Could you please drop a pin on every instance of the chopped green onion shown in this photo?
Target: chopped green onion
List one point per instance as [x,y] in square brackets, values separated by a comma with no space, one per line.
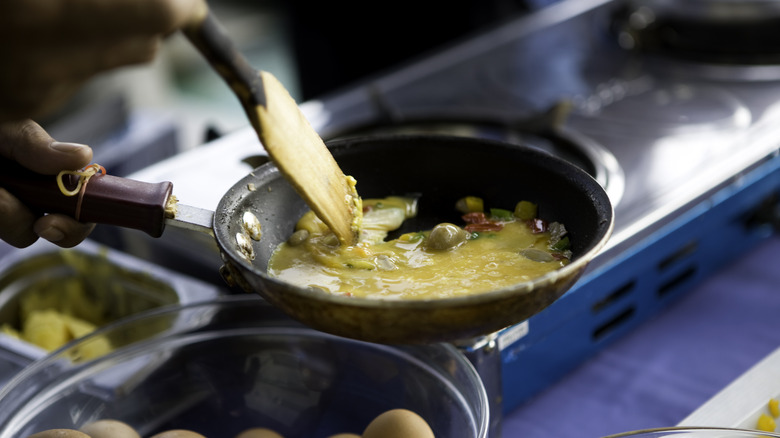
[561,245]
[500,213]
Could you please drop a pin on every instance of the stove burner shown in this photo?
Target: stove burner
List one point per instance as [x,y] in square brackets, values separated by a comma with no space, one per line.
[645,106]
[566,144]
[720,32]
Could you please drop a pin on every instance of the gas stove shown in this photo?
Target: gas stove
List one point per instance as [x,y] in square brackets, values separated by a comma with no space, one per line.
[687,149]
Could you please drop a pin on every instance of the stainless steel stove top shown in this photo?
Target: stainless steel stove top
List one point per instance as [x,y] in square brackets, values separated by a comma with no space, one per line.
[661,132]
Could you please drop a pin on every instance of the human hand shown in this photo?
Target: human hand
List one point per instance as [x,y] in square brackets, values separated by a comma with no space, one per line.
[49,48]
[29,145]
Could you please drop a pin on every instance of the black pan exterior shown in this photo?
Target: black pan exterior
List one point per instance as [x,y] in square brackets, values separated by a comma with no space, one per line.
[442,169]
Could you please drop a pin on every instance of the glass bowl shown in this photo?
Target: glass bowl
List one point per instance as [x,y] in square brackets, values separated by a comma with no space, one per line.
[696,432]
[224,366]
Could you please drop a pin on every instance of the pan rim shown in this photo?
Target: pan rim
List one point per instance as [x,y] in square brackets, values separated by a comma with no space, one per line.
[572,270]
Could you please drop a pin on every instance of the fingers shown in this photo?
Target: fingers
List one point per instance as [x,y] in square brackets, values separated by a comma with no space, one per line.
[47,74]
[62,230]
[33,101]
[106,18]
[50,48]
[29,145]
[65,61]
[16,221]
[21,228]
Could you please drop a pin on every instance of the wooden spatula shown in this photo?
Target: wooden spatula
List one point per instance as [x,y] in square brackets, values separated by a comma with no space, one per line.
[291,142]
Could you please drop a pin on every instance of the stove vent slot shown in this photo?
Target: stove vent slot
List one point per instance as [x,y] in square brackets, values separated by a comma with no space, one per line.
[613,297]
[681,265]
[614,323]
[676,281]
[682,253]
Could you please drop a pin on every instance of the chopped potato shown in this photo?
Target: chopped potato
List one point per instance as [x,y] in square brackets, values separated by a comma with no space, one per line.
[50,329]
[46,329]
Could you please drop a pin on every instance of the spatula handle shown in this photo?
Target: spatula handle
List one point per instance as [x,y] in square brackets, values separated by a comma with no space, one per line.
[105,199]
[211,40]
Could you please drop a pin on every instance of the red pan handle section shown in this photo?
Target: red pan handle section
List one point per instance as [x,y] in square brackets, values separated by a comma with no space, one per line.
[105,199]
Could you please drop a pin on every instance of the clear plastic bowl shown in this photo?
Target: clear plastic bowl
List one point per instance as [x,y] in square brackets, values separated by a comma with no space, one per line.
[695,432]
[224,366]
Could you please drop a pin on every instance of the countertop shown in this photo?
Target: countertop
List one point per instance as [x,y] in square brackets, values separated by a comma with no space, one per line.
[658,374]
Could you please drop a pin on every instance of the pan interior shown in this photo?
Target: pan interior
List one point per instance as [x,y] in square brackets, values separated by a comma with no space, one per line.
[441,170]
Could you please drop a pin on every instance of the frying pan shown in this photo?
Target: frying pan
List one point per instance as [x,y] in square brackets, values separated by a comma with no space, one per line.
[440,169]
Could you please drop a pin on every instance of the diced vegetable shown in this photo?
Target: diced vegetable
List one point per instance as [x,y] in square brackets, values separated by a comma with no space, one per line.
[525,210]
[501,214]
[561,245]
[470,204]
[480,222]
[485,226]
[475,218]
[538,225]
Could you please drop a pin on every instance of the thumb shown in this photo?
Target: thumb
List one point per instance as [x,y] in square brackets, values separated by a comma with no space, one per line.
[30,145]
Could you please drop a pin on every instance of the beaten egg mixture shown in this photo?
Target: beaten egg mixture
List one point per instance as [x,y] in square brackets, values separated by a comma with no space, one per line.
[493,250]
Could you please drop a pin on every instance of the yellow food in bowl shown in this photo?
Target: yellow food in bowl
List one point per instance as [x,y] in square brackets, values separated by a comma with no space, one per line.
[50,321]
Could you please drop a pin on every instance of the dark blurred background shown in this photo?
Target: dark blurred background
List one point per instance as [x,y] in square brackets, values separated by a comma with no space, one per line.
[313,47]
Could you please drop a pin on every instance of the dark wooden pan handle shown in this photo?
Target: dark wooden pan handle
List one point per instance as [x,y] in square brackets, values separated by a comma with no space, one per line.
[105,199]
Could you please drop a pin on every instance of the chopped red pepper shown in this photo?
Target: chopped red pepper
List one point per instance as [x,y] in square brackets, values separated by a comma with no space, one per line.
[475,217]
[537,225]
[487,226]
[479,221]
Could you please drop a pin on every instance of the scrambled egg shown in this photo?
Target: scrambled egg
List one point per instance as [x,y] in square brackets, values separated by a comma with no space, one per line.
[495,249]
